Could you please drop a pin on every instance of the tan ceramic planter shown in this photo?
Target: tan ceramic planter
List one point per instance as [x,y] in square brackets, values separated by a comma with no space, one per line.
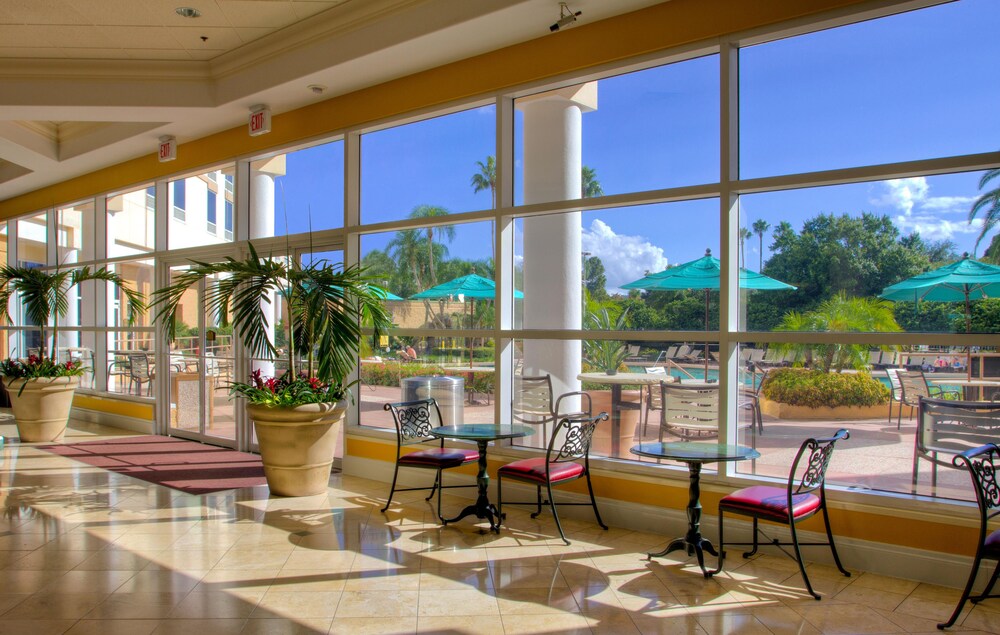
[41,411]
[297,445]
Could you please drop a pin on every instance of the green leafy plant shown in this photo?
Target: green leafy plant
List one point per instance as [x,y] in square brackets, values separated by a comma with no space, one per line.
[325,309]
[606,355]
[817,388]
[45,297]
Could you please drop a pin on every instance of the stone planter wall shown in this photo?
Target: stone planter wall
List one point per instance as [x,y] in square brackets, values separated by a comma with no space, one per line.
[840,413]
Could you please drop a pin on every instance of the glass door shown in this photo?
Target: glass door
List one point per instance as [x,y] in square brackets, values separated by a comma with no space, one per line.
[201,364]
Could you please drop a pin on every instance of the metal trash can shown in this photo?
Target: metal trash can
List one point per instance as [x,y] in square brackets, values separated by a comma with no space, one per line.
[449,392]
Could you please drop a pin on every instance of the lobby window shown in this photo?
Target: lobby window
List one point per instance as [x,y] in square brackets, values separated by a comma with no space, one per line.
[445,164]
[298,191]
[178,197]
[201,194]
[131,224]
[646,130]
[905,87]
[210,211]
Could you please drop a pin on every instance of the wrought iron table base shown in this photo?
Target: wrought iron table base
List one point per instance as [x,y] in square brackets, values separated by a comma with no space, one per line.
[482,508]
[692,542]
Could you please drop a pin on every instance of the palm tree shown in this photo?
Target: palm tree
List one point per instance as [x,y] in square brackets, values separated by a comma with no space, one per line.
[590,187]
[841,314]
[323,304]
[432,211]
[760,226]
[989,203]
[486,178]
[744,235]
[45,295]
[404,248]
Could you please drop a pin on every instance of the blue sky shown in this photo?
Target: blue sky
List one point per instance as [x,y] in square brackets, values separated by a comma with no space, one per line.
[913,86]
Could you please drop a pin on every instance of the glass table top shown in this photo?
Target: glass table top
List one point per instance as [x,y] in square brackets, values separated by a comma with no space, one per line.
[483,431]
[695,452]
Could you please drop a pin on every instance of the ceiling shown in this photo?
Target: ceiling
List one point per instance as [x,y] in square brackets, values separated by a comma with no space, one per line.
[85,84]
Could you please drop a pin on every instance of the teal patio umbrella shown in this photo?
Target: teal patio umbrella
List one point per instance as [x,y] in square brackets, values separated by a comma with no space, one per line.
[962,281]
[469,286]
[703,273]
[387,295]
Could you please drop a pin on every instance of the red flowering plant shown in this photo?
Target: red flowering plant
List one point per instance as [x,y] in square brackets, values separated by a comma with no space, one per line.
[323,308]
[288,390]
[36,367]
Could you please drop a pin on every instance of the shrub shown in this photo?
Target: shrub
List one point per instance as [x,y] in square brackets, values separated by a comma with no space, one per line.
[389,373]
[816,389]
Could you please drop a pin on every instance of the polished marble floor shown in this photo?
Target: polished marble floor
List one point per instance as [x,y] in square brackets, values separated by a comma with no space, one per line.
[88,551]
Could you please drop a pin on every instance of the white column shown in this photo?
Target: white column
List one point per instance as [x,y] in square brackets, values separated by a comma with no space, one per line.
[552,252]
[262,226]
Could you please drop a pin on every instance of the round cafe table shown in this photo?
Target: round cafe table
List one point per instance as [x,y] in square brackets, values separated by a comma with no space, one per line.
[482,434]
[695,455]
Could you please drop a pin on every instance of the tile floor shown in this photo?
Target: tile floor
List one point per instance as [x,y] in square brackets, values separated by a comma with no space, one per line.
[88,551]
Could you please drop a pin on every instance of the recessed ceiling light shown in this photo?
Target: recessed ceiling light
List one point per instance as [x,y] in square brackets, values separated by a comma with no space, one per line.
[188,12]
[316,88]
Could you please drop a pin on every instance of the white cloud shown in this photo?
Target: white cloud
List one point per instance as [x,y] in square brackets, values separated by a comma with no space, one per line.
[903,194]
[625,258]
[934,217]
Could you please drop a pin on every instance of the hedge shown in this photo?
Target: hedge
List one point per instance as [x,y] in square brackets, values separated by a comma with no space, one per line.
[815,388]
[390,373]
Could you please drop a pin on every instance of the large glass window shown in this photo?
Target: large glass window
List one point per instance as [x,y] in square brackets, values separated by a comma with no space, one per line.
[297,192]
[131,225]
[646,130]
[909,86]
[431,167]
[198,225]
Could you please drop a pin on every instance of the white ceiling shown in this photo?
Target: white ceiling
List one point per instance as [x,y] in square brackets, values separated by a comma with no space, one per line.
[85,84]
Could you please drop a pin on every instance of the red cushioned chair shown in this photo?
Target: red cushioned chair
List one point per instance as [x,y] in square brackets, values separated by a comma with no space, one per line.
[561,464]
[803,497]
[982,464]
[413,420]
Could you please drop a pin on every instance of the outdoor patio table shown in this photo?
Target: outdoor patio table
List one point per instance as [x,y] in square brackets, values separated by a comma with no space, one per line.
[973,388]
[616,382]
[695,455]
[482,434]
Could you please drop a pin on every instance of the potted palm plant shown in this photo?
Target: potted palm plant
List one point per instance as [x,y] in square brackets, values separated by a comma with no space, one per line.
[41,389]
[298,415]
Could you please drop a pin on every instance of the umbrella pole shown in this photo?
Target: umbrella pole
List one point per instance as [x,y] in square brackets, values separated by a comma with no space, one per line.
[706,330]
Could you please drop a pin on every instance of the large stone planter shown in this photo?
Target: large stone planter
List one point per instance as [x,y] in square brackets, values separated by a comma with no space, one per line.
[603,441]
[297,445]
[41,410]
[804,413]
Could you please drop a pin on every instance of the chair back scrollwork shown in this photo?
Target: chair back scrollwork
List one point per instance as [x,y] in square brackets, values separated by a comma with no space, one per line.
[820,451]
[982,464]
[577,433]
[414,420]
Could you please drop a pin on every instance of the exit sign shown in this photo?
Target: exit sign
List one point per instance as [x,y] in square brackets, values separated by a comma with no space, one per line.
[260,121]
[168,149]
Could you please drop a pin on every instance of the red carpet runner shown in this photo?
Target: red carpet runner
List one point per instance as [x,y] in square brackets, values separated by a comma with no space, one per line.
[188,466]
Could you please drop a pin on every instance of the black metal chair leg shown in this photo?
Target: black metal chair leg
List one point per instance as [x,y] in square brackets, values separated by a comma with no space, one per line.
[748,554]
[989,587]
[965,593]
[392,490]
[555,514]
[437,480]
[802,565]
[500,515]
[593,502]
[538,504]
[722,548]
[833,545]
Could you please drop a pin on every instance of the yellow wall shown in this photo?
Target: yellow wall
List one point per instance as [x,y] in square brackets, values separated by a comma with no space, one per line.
[651,30]
[121,407]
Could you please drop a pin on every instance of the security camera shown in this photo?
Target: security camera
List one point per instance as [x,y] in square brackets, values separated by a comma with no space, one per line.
[566,17]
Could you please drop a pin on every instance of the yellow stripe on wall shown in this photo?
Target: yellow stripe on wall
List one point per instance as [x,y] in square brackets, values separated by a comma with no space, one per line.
[119,407]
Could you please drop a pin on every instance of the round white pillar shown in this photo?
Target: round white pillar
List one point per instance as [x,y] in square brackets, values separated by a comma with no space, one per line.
[262,226]
[553,272]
